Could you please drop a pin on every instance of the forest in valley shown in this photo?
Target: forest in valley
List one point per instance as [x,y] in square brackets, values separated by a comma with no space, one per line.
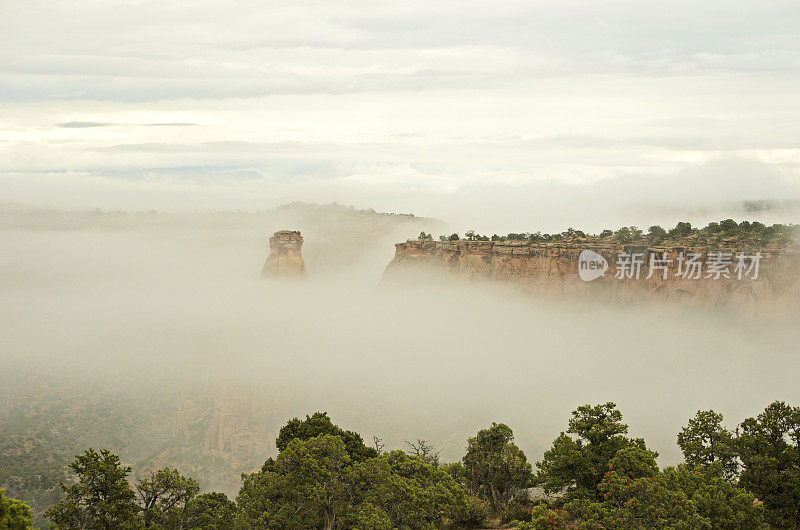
[593,476]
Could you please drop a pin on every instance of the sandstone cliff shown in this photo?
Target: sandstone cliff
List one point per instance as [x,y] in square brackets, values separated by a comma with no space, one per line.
[221,432]
[285,256]
[552,269]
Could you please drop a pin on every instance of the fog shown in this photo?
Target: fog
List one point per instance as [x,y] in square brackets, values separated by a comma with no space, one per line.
[148,305]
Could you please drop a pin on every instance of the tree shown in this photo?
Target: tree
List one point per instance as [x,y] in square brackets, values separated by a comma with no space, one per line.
[624,235]
[536,237]
[317,424]
[425,237]
[211,511]
[370,517]
[704,441]
[634,462]
[306,489]
[682,229]
[716,500]
[656,234]
[377,444]
[424,450]
[577,465]
[453,237]
[637,495]
[408,491]
[635,503]
[496,468]
[14,514]
[313,484]
[573,233]
[769,448]
[470,235]
[164,498]
[100,499]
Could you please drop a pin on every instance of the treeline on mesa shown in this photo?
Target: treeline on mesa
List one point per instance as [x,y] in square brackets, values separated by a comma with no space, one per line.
[728,231]
[593,476]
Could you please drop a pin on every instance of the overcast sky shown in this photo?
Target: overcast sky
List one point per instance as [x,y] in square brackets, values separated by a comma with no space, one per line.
[497,114]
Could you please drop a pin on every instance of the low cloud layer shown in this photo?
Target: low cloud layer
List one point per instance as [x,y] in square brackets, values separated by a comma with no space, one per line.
[165,301]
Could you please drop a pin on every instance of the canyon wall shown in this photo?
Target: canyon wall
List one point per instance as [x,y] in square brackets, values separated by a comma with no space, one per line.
[220,432]
[754,281]
[285,256]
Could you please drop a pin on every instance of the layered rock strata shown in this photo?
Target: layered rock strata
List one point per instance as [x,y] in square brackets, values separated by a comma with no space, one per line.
[747,280]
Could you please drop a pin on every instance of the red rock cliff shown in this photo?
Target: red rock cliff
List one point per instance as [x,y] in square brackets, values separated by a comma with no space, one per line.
[285,256]
[553,269]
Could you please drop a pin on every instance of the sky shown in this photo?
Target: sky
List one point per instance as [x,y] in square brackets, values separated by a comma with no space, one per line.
[504,116]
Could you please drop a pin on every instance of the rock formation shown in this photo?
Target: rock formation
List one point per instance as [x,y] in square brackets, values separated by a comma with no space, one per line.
[285,257]
[220,432]
[552,269]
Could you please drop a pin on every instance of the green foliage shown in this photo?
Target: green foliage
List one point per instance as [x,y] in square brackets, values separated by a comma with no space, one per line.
[324,478]
[453,237]
[307,487]
[47,418]
[313,484]
[14,514]
[632,492]
[656,234]
[677,498]
[317,424]
[367,516]
[576,465]
[211,511]
[573,233]
[476,512]
[425,237]
[495,467]
[100,499]
[623,235]
[704,441]
[537,237]
[682,229]
[471,235]
[635,503]
[164,498]
[634,462]
[715,499]
[544,518]
[769,449]
[410,491]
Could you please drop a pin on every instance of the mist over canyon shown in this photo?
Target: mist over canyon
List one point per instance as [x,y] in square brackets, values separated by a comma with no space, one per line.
[158,328]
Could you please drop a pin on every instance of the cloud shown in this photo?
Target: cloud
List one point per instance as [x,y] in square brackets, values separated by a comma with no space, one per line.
[176,124]
[159,51]
[87,124]
[520,103]
[83,124]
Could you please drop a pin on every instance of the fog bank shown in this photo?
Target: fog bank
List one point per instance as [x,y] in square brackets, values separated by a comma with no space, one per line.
[162,306]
